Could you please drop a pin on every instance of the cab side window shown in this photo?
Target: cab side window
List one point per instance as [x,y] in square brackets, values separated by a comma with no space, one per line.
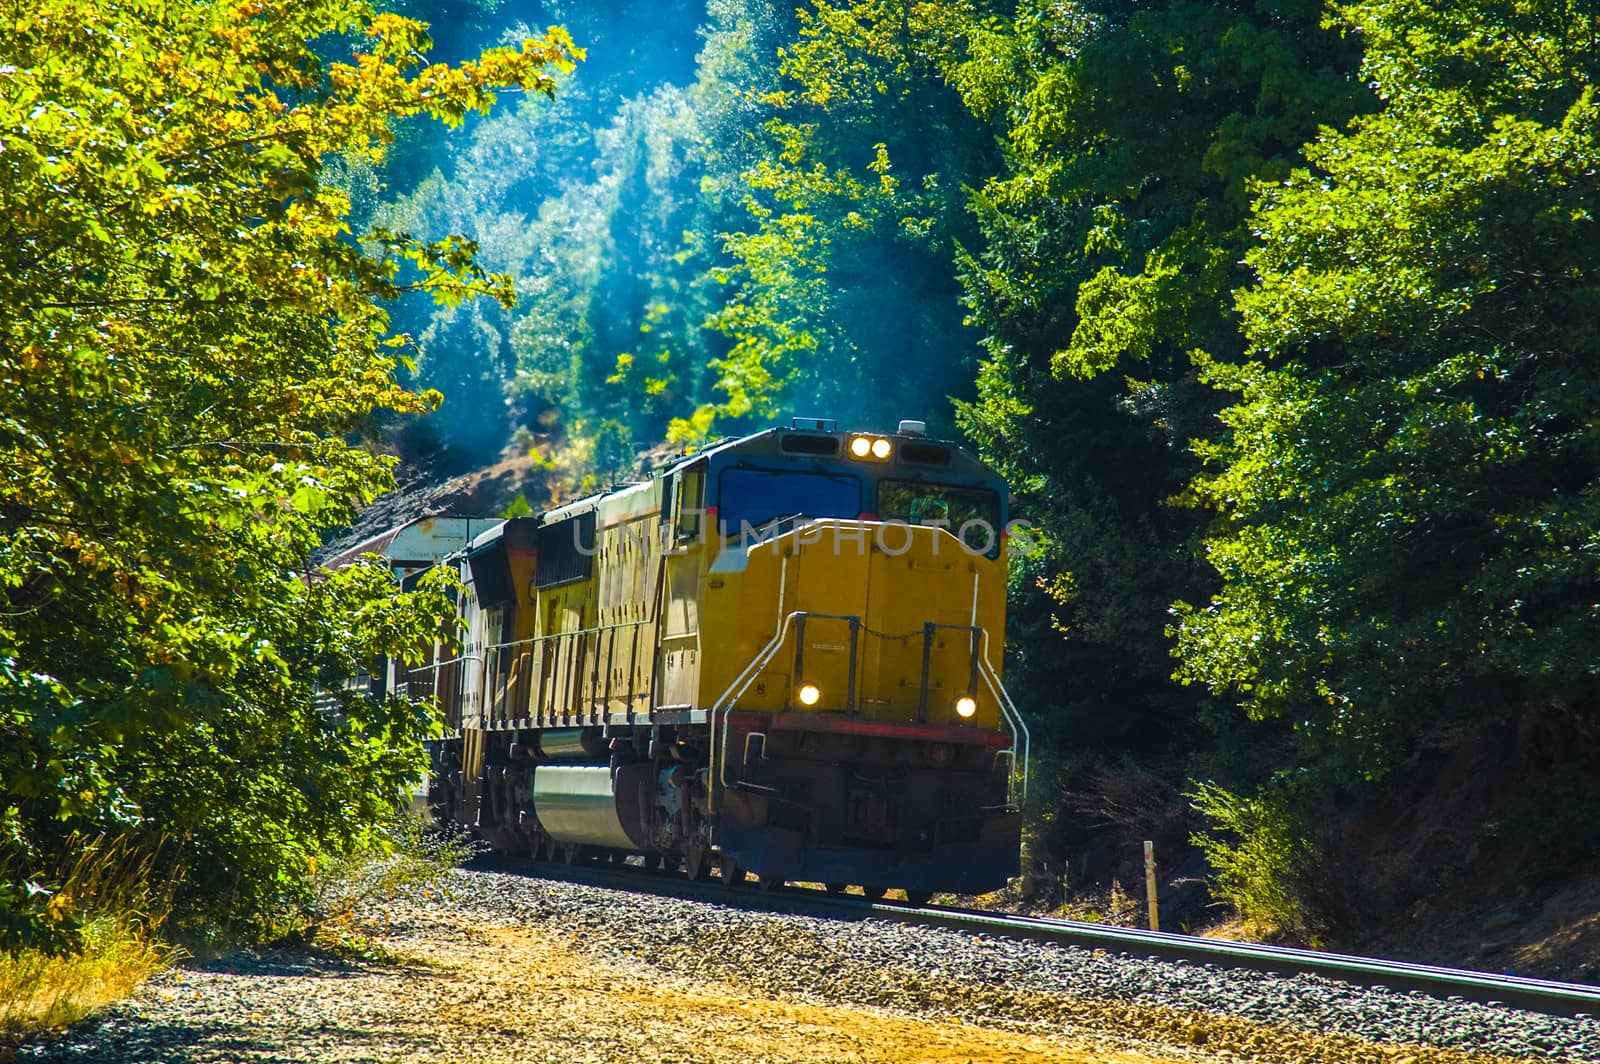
[690,506]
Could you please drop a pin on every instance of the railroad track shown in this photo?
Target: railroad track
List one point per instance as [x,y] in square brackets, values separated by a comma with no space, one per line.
[1537,995]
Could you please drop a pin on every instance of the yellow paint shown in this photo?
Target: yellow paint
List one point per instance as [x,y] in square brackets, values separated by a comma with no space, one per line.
[672,614]
[894,578]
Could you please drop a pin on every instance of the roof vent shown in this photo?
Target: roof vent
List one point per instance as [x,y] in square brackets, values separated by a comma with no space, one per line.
[913,428]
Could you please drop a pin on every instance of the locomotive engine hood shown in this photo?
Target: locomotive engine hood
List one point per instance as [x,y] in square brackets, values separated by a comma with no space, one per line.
[881,620]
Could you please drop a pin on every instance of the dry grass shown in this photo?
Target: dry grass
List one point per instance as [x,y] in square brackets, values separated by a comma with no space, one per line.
[38,991]
[108,889]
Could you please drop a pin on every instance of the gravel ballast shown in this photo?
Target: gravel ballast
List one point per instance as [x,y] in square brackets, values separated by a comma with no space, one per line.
[857,961]
[658,969]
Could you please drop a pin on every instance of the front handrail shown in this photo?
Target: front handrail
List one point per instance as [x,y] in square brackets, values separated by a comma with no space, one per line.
[1008,709]
[741,683]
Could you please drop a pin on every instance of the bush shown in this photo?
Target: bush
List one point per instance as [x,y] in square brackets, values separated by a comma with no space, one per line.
[1270,861]
[414,859]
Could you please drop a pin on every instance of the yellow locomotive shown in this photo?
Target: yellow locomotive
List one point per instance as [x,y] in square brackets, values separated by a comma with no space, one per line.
[779,655]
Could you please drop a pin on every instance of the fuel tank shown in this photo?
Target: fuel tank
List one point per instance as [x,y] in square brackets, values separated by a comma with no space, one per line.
[595,805]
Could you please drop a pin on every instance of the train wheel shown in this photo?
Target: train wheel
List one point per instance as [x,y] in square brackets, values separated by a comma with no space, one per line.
[919,898]
[771,882]
[835,888]
[652,860]
[571,852]
[695,863]
[728,871]
[874,893]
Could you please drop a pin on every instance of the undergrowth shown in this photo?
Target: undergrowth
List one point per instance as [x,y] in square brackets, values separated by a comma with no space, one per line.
[352,897]
[114,913]
[111,914]
[1268,860]
[39,991]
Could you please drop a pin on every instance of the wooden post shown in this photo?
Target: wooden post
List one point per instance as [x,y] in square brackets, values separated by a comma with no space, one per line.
[1150,885]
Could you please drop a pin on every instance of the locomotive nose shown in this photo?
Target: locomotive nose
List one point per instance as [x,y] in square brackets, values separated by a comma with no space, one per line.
[887,620]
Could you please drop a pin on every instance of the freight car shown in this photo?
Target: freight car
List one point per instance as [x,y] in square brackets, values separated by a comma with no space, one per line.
[777,656]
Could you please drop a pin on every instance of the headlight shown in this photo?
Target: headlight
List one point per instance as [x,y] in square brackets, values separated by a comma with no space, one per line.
[877,447]
[809,694]
[966,706]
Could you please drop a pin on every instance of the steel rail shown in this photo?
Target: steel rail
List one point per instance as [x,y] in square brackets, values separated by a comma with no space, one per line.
[1534,995]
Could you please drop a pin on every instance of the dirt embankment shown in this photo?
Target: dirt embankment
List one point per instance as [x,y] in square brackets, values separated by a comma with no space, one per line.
[421,492]
[1472,859]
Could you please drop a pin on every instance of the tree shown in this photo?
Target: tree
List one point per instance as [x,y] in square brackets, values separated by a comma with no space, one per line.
[1407,491]
[841,290]
[593,206]
[189,339]
[1109,251]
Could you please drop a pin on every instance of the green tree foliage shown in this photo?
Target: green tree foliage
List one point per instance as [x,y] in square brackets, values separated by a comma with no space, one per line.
[842,296]
[188,339]
[1111,242]
[1407,489]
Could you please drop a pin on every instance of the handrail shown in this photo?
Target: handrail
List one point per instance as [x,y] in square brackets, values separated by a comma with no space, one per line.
[1014,722]
[1009,710]
[492,651]
[523,647]
[747,676]
[741,683]
[441,664]
[756,664]
[596,630]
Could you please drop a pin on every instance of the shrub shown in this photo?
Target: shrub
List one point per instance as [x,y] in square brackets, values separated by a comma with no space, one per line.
[1269,859]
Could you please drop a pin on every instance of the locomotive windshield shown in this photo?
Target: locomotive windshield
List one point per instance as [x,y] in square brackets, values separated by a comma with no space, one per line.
[973,514]
[755,497]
